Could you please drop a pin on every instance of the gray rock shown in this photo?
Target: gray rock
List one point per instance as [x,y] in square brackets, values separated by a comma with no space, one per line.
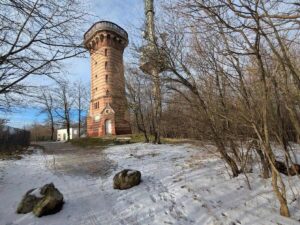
[51,203]
[43,201]
[127,179]
[28,202]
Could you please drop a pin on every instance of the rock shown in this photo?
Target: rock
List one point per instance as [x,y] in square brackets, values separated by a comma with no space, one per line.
[122,140]
[294,169]
[282,168]
[51,203]
[43,201]
[127,179]
[28,202]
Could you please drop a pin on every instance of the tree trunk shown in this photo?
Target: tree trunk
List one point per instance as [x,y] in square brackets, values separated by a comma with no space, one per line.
[79,122]
[68,130]
[52,130]
[264,163]
[157,106]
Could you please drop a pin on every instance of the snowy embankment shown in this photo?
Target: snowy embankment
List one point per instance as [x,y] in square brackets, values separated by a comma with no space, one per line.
[180,185]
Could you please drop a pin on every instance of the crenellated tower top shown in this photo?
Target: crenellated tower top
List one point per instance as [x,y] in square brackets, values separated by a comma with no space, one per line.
[105,33]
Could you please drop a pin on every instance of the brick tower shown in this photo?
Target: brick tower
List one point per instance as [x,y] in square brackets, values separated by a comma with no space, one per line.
[108,113]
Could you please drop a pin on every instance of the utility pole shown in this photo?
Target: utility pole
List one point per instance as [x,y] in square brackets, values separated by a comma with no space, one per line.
[150,65]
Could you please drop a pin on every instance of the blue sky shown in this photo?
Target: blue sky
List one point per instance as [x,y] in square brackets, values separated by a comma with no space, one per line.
[128,14]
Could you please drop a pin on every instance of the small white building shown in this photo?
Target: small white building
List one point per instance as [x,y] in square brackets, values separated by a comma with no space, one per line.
[62,134]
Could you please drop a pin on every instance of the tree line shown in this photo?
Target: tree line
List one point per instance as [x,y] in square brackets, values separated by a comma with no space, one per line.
[65,104]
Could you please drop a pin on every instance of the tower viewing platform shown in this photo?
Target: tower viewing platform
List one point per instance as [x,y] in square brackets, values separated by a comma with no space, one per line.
[101,26]
[105,25]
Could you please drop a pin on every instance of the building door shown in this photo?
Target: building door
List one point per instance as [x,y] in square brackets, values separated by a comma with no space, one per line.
[108,129]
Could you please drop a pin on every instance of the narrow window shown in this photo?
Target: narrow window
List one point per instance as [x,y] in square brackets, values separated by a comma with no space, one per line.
[107,93]
[96,76]
[108,39]
[106,78]
[106,65]
[105,52]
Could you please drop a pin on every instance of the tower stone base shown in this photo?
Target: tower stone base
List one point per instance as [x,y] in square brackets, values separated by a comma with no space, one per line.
[98,129]
[107,123]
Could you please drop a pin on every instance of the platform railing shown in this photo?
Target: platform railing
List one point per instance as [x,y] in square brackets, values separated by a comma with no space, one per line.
[105,25]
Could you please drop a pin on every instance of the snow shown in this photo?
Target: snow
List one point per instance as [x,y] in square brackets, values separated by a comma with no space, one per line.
[181,184]
[130,172]
[37,193]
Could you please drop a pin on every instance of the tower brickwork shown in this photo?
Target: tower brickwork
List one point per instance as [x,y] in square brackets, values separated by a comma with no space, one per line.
[108,112]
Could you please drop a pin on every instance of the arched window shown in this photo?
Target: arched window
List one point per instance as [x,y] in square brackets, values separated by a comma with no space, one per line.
[101,38]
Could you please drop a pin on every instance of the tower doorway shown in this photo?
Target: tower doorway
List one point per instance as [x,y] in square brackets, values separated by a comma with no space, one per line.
[108,128]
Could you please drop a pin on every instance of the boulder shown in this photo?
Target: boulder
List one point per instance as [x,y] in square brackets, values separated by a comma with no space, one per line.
[122,140]
[28,202]
[294,170]
[281,167]
[51,203]
[291,171]
[127,179]
[42,201]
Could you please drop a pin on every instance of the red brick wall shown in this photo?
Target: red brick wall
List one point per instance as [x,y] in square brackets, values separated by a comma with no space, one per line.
[107,84]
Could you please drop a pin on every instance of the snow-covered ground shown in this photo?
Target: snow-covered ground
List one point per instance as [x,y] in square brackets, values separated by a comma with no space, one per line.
[181,185]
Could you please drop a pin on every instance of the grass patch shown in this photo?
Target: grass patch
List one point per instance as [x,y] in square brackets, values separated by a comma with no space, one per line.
[117,140]
[140,138]
[92,142]
[10,155]
[14,153]
[113,140]
[37,146]
[175,140]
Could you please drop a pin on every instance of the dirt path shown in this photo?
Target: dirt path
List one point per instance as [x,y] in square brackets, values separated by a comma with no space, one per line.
[66,159]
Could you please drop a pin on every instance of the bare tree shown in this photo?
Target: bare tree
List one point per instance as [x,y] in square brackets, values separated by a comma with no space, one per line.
[137,85]
[39,132]
[64,102]
[80,102]
[253,72]
[46,102]
[35,37]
